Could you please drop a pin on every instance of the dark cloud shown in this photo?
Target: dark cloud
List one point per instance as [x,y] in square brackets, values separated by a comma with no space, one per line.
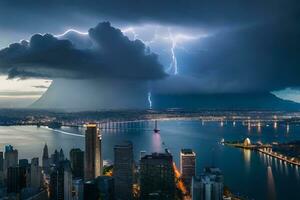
[264,57]
[191,12]
[112,55]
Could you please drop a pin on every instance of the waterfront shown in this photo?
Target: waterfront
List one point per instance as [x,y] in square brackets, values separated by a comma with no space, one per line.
[245,171]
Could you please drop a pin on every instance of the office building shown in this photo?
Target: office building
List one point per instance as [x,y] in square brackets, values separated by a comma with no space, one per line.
[123,170]
[23,173]
[78,189]
[60,186]
[77,163]
[61,156]
[12,182]
[10,157]
[187,166]
[105,186]
[45,159]
[91,190]
[93,157]
[54,158]
[208,186]
[1,169]
[157,178]
[35,173]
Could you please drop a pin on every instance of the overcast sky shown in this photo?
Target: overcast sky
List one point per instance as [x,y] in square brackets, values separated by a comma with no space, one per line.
[188,46]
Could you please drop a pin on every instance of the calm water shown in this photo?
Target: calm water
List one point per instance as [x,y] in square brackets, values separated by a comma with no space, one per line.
[246,172]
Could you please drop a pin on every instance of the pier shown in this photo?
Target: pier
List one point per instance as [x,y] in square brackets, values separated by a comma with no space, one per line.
[263,148]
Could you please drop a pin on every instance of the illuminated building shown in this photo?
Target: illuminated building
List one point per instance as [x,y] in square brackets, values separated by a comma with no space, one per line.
[187,166]
[93,157]
[208,186]
[157,179]
[77,162]
[123,170]
[247,142]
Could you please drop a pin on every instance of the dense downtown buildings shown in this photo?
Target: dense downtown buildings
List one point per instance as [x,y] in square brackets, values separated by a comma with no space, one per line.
[153,177]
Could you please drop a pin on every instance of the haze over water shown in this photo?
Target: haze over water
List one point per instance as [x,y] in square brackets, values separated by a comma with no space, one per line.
[247,172]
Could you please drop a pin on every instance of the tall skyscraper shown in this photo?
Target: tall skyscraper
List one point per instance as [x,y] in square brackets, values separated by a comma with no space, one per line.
[60,186]
[1,161]
[93,157]
[35,173]
[157,177]
[208,186]
[10,157]
[54,158]
[61,156]
[123,170]
[46,159]
[13,185]
[187,166]
[1,169]
[77,163]
[23,173]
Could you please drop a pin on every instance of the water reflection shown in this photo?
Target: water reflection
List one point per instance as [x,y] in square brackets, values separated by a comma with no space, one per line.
[271,184]
[156,142]
[247,158]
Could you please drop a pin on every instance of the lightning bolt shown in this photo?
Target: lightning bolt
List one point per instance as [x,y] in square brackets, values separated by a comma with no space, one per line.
[173,39]
[150,100]
[71,30]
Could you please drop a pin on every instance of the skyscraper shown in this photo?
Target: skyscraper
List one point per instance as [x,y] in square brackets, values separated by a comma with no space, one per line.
[187,166]
[208,186]
[60,186]
[13,185]
[77,162]
[157,176]
[46,160]
[10,157]
[1,169]
[35,173]
[106,187]
[123,170]
[23,173]
[93,166]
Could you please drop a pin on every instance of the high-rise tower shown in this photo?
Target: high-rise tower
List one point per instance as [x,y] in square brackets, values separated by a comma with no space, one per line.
[187,166]
[93,164]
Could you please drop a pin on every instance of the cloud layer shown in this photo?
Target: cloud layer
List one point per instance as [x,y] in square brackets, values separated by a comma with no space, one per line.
[111,55]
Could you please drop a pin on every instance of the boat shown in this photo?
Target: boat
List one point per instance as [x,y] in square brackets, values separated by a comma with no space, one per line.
[156,130]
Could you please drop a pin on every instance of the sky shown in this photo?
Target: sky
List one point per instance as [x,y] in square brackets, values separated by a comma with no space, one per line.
[181,47]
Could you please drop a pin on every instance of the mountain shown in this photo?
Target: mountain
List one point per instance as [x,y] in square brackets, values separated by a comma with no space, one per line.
[104,94]
[227,101]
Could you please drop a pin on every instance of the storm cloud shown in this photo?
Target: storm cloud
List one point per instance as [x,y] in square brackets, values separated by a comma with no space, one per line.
[111,55]
[251,45]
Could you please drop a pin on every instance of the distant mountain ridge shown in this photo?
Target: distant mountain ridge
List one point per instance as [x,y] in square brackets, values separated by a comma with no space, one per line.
[229,101]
